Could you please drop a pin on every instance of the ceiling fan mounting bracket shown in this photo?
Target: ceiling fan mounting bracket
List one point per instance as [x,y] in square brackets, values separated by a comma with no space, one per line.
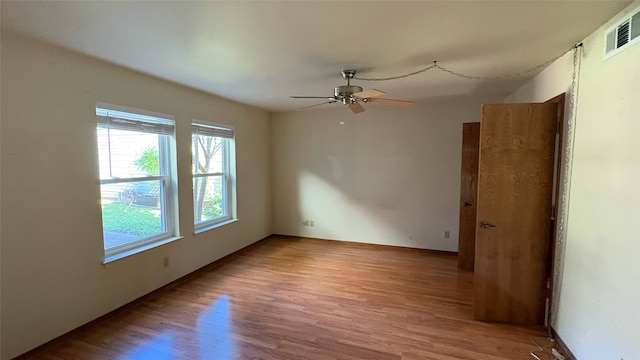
[348,74]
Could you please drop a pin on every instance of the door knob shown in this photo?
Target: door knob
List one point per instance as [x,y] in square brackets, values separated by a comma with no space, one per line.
[466,204]
[486,225]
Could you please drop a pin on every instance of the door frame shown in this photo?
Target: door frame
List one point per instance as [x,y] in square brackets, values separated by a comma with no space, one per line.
[466,240]
[555,201]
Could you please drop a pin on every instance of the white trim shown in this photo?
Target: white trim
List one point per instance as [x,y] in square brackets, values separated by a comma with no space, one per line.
[136,179]
[215,225]
[139,249]
[211,174]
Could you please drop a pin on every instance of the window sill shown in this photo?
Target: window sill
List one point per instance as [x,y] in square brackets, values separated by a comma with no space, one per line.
[216,225]
[124,254]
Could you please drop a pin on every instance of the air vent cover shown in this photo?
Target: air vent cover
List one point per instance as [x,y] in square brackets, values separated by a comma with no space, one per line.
[623,34]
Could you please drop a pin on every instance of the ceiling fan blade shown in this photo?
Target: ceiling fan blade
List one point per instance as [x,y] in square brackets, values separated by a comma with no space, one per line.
[310,106]
[356,107]
[312,97]
[392,102]
[369,93]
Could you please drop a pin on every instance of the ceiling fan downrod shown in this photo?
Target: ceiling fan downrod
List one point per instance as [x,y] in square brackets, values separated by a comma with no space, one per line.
[344,92]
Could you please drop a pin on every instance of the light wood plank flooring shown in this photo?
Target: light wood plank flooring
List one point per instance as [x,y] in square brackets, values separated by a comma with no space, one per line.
[298,298]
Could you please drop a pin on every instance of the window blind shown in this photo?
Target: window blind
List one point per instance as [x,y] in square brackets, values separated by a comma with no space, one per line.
[209,130]
[119,120]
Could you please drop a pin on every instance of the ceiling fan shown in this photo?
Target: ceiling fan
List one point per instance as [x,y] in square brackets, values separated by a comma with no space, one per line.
[353,95]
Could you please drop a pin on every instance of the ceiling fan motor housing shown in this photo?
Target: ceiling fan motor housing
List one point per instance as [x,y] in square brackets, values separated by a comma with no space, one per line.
[345,93]
[347,90]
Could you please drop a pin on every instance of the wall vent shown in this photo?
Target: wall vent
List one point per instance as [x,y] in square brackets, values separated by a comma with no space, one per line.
[623,34]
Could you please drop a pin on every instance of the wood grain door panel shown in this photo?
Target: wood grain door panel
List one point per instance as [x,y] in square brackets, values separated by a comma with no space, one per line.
[514,195]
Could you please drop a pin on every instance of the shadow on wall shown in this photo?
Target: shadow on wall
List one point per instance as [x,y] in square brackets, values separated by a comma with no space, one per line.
[387,176]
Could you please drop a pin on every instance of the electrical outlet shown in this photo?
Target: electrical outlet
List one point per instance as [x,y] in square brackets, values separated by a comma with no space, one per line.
[305,223]
[312,223]
[165,261]
[557,354]
[447,234]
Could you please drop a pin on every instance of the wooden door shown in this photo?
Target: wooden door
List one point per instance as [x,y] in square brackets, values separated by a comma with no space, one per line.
[514,211]
[468,194]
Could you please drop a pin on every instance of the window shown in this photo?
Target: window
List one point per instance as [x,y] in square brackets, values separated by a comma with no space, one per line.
[136,180]
[213,168]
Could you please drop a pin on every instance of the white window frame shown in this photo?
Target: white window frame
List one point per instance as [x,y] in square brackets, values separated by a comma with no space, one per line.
[150,122]
[228,173]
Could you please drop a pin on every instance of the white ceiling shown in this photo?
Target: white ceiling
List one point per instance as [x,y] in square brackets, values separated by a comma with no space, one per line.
[260,52]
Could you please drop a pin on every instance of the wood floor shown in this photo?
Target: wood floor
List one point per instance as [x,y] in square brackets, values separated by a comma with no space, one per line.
[296,298]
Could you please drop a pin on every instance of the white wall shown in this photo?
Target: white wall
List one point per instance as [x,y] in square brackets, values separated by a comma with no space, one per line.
[388,176]
[598,313]
[52,277]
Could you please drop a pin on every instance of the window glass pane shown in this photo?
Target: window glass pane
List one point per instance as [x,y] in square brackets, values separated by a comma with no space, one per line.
[135,161]
[131,211]
[211,154]
[208,154]
[208,198]
[126,154]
